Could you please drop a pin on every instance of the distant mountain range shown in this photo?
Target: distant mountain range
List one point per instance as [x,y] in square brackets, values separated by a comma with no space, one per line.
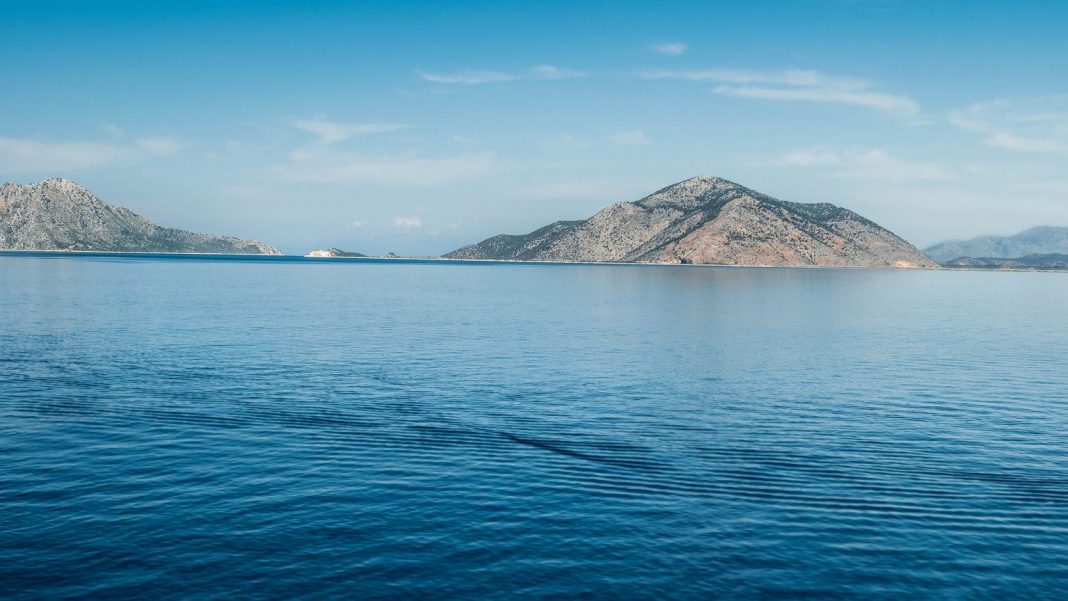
[1049,261]
[1041,240]
[708,220]
[702,220]
[58,214]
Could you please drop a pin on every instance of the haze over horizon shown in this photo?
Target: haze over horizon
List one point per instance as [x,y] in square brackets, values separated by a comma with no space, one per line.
[420,127]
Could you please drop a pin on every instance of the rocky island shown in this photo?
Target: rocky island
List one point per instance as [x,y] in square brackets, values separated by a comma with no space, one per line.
[58,214]
[333,253]
[712,221]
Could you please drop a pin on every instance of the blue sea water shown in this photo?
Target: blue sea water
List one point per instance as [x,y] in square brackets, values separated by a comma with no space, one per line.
[227,428]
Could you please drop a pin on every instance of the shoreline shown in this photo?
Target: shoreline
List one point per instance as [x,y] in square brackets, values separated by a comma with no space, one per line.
[152,254]
[60,251]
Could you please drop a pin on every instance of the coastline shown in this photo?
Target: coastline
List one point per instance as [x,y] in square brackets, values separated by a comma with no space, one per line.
[297,258]
[61,251]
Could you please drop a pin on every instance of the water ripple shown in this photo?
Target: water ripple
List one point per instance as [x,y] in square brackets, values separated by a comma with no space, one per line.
[223,429]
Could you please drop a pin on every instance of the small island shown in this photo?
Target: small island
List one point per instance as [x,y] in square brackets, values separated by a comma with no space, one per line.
[333,253]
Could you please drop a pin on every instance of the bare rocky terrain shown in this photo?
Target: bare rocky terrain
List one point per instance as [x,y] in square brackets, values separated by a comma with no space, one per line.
[58,214]
[708,220]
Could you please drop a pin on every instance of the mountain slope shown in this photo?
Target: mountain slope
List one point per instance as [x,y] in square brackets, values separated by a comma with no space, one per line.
[710,220]
[1042,240]
[58,214]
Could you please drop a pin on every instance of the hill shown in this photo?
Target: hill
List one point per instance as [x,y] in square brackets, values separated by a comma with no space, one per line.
[709,220]
[58,214]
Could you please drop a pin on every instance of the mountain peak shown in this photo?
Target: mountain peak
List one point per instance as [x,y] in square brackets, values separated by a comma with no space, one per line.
[62,184]
[703,182]
[690,191]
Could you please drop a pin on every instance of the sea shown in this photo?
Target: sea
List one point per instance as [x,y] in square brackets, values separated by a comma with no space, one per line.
[208,427]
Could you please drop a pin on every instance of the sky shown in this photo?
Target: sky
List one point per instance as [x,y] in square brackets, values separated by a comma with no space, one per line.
[418,127]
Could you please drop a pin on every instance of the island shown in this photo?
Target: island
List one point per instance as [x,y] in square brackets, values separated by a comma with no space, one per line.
[1032,262]
[333,253]
[58,214]
[710,221]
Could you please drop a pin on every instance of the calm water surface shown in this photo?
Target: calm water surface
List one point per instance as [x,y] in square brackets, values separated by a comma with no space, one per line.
[223,429]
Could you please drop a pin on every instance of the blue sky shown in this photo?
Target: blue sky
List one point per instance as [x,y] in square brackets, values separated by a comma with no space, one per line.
[417,127]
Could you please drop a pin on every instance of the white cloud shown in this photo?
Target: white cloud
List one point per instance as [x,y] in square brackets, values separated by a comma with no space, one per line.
[878,165]
[1018,143]
[466,78]
[407,222]
[857,163]
[551,72]
[796,85]
[790,77]
[32,155]
[1018,125]
[358,224]
[36,156]
[329,132]
[874,100]
[670,48]
[471,77]
[316,166]
[634,137]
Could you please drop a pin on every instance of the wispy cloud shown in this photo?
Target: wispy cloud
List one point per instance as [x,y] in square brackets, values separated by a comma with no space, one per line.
[1018,125]
[878,165]
[329,132]
[358,224]
[873,100]
[670,48]
[873,164]
[790,77]
[810,157]
[37,156]
[466,78]
[324,167]
[551,72]
[112,130]
[407,222]
[796,85]
[475,77]
[634,137]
